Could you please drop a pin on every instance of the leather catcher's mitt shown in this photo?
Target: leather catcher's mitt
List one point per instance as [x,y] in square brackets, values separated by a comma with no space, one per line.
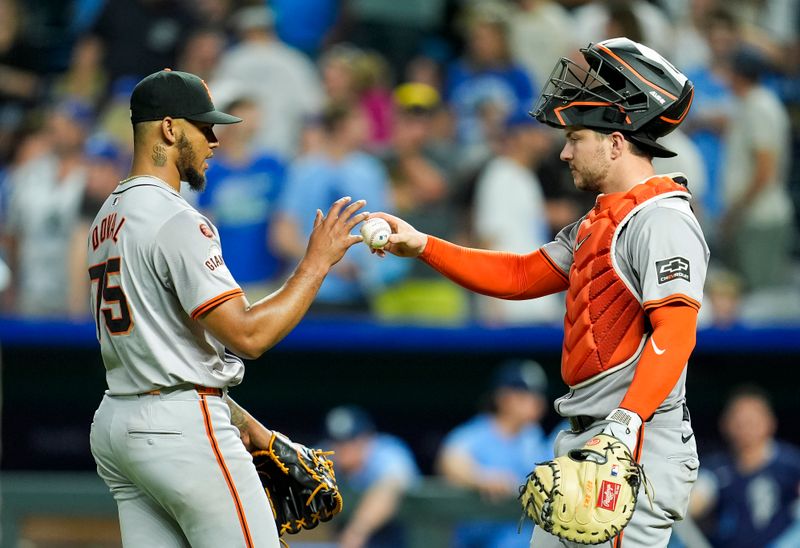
[587,496]
[300,484]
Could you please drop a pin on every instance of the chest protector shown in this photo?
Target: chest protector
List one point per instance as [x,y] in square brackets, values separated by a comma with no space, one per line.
[604,326]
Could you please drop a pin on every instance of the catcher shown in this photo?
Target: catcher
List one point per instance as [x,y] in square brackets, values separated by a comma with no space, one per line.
[633,269]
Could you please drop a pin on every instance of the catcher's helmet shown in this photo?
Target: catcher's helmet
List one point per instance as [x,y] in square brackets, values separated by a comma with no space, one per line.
[628,87]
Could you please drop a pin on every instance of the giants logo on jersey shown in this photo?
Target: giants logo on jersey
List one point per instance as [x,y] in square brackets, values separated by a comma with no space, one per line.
[105,229]
[214,260]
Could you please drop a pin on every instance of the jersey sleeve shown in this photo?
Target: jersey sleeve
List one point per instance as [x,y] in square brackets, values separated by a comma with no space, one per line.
[669,254]
[188,257]
[560,250]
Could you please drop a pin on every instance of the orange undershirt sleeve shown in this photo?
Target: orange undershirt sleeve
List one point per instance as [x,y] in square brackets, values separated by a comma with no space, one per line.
[495,273]
[663,358]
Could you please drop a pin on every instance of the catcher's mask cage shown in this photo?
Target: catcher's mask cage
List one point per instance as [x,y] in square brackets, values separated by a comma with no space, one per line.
[628,87]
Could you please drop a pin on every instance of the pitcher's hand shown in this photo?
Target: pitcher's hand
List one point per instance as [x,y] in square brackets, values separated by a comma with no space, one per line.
[331,236]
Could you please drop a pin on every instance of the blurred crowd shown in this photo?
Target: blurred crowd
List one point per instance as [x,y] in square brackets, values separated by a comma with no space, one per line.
[747,493]
[420,107]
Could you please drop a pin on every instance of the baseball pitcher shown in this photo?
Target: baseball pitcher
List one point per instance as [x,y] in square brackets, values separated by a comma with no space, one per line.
[173,448]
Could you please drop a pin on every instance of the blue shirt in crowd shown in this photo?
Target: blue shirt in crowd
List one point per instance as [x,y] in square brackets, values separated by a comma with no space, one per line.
[468,89]
[315,182]
[711,94]
[754,509]
[494,451]
[388,457]
[304,23]
[241,202]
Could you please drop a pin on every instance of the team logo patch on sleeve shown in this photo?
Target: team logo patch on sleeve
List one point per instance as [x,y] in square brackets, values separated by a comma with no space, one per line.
[206,231]
[672,269]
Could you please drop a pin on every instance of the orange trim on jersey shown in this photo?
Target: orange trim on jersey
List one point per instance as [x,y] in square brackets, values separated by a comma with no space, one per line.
[618,540]
[553,265]
[215,302]
[639,76]
[225,472]
[677,298]
[637,454]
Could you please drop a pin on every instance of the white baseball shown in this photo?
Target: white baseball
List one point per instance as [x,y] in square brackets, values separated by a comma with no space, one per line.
[376,232]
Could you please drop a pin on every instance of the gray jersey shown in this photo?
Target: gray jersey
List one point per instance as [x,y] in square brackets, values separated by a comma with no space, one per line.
[662,238]
[156,265]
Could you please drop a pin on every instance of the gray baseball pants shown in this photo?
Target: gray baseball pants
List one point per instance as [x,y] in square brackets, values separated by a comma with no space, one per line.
[179,473]
[669,456]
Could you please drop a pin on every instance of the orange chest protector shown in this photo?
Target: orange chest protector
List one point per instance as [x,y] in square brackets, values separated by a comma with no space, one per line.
[604,326]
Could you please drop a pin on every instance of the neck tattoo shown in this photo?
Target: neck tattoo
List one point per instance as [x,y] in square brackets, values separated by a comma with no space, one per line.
[159,155]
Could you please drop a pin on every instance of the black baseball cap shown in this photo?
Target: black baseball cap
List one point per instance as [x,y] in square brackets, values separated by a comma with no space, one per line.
[176,94]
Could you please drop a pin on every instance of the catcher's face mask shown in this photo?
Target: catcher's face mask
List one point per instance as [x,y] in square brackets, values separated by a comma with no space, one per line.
[627,87]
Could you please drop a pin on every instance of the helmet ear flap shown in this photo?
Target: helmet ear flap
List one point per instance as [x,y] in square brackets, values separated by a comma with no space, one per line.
[613,116]
[672,117]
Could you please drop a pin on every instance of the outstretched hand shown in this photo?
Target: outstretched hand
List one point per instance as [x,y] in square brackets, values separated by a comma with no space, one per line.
[331,236]
[405,240]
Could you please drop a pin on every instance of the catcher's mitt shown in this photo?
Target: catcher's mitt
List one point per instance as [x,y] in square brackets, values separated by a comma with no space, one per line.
[300,484]
[587,496]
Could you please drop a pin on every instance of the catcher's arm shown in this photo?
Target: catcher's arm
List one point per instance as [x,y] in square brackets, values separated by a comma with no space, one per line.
[494,273]
[254,434]
[659,368]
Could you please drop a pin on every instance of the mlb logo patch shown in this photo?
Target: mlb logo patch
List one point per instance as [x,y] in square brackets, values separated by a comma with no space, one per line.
[676,268]
[615,470]
[609,493]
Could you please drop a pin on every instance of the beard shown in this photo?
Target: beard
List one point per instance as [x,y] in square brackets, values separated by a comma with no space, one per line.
[187,159]
[591,178]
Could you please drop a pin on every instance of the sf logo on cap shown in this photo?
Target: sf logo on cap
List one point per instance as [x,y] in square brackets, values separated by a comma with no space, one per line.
[207,89]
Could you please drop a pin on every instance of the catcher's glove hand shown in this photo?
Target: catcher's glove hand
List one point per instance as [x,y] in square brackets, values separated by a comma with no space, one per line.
[586,496]
[300,484]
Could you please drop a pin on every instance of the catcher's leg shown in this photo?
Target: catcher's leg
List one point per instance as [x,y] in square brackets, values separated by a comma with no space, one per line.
[669,456]
[670,463]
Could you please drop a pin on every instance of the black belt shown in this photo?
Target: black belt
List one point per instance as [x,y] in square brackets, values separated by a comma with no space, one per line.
[581,423]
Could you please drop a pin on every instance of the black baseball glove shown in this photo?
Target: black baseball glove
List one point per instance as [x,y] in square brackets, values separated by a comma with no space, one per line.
[300,484]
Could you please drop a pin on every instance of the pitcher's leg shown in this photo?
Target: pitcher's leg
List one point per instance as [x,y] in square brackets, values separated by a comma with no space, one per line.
[213,488]
[143,523]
